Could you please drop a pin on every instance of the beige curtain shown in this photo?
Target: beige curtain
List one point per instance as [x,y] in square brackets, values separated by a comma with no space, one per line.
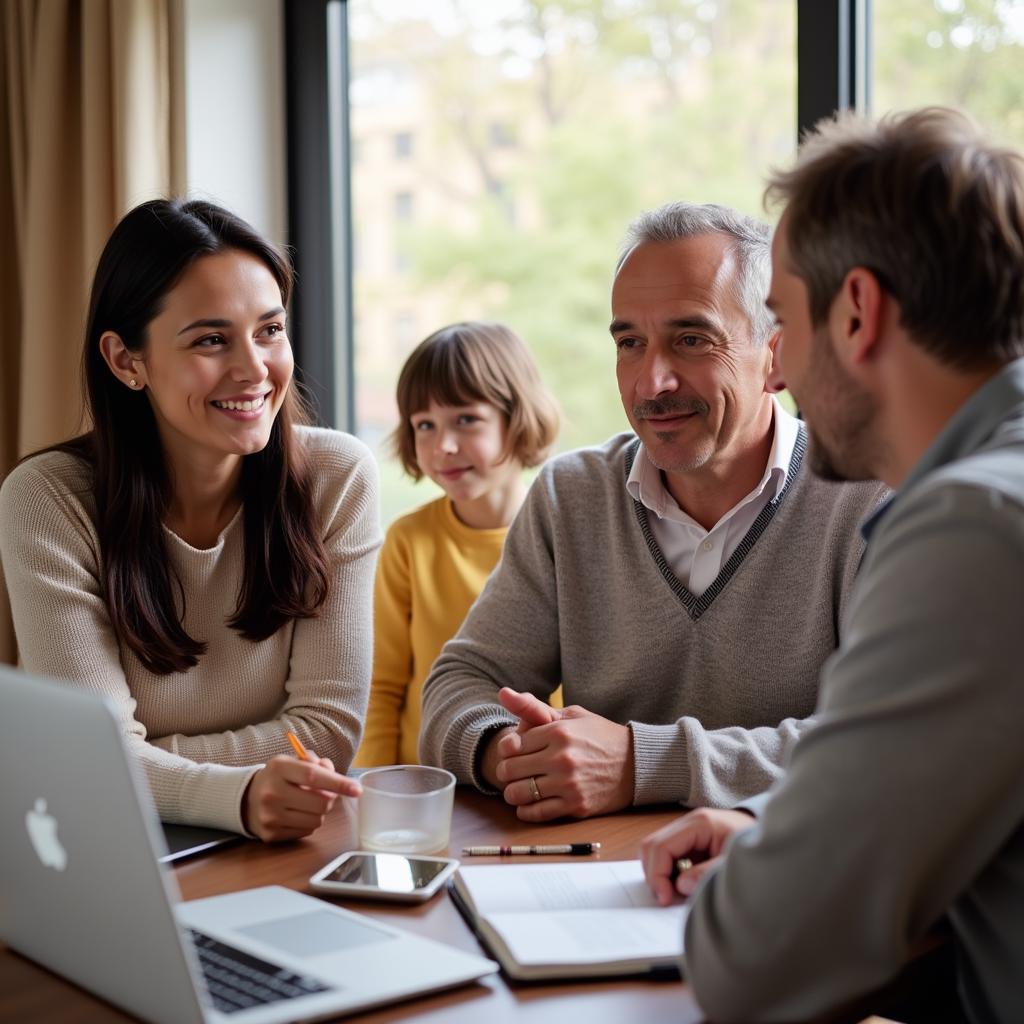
[89,125]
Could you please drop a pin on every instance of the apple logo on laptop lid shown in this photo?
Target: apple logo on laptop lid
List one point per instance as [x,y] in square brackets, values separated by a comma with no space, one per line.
[42,831]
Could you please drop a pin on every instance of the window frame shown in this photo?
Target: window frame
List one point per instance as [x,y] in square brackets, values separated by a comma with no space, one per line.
[833,73]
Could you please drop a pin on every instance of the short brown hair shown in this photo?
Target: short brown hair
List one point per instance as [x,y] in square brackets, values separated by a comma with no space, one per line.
[934,210]
[477,362]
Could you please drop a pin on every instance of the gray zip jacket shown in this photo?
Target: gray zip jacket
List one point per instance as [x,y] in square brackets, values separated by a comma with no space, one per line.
[906,801]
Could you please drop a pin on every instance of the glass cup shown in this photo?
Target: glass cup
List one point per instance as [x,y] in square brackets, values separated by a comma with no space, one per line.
[406,808]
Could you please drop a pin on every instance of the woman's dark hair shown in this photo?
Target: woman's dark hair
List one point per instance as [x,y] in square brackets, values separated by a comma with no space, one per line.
[285,575]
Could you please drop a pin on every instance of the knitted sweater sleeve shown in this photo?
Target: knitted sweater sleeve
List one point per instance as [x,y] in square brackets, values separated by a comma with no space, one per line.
[689,764]
[51,565]
[51,561]
[328,681]
[392,653]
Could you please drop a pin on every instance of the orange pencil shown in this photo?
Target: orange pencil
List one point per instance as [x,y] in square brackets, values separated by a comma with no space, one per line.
[299,748]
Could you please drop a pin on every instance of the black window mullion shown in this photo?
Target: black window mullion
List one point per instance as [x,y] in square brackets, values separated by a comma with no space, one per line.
[317,132]
[833,58]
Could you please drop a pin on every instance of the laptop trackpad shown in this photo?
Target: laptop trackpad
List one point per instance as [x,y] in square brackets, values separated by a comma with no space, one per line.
[314,933]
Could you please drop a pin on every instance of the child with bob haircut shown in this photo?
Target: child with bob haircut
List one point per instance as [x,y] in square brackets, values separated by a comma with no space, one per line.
[473,414]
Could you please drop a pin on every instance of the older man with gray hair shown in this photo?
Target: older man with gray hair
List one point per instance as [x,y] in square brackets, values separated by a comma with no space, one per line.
[683,583]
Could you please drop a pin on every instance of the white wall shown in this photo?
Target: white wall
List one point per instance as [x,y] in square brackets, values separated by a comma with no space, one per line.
[234,109]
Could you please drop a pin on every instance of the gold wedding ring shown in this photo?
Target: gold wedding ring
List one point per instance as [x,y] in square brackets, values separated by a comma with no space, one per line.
[534,789]
[680,867]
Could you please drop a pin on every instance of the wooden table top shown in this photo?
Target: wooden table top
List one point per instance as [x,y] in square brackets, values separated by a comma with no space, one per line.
[30,993]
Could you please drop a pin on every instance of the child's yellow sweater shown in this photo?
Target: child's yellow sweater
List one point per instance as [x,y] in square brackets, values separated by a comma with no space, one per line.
[431,568]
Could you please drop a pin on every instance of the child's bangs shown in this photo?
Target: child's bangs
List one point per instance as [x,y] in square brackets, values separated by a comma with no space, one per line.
[447,375]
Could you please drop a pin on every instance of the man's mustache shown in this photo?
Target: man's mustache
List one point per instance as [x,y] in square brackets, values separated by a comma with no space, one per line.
[669,407]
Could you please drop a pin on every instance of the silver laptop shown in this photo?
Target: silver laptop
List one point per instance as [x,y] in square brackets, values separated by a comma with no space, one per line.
[82,893]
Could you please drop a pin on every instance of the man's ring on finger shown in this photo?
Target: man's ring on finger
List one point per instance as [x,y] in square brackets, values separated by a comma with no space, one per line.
[534,789]
[680,867]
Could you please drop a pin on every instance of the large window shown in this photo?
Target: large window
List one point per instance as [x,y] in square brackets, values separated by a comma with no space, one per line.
[501,148]
[498,149]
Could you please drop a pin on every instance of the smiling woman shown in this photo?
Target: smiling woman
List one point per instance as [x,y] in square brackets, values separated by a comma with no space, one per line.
[201,556]
[215,385]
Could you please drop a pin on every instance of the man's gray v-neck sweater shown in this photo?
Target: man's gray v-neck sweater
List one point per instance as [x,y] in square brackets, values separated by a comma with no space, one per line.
[716,689]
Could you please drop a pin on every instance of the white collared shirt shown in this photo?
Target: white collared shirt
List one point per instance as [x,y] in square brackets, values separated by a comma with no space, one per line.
[694,554]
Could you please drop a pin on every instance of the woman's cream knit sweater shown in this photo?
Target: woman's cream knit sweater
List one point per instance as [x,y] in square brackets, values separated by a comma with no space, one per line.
[201,734]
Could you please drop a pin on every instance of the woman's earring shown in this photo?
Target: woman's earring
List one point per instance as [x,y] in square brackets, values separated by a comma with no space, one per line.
[133,383]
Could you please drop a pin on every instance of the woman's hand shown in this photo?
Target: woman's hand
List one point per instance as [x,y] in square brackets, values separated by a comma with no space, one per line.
[288,798]
[699,837]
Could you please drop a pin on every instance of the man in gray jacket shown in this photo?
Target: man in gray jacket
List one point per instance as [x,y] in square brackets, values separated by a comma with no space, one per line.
[683,584]
[898,281]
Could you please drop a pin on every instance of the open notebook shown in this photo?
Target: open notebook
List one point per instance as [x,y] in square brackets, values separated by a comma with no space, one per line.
[570,920]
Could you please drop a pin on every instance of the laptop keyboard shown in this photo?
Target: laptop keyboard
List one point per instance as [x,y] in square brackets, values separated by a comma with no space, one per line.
[237,981]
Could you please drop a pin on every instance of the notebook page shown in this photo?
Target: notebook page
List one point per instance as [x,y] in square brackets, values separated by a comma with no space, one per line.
[592,936]
[548,887]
